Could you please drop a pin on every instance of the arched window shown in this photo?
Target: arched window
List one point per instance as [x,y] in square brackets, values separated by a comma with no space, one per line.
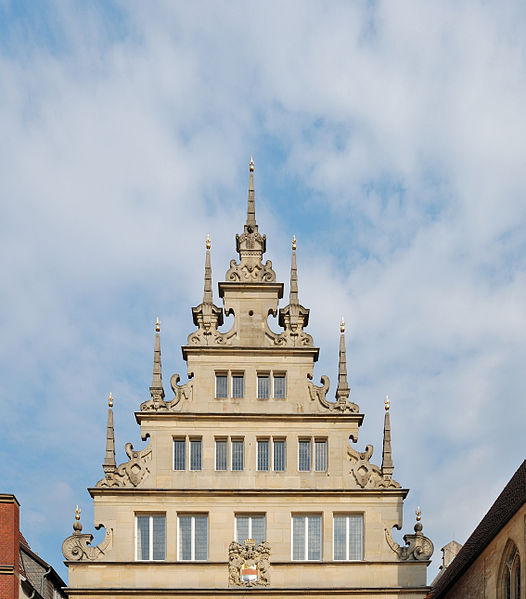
[509,580]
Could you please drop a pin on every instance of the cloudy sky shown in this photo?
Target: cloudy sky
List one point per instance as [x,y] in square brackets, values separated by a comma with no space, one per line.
[389,137]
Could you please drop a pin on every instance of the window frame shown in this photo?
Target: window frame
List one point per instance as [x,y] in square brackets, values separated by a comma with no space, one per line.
[232,441]
[150,516]
[191,444]
[274,441]
[222,373]
[276,375]
[268,457]
[192,515]
[225,441]
[240,375]
[307,517]
[309,441]
[347,516]
[179,439]
[250,516]
[325,443]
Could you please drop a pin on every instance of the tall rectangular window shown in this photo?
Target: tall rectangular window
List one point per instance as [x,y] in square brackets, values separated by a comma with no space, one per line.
[263,386]
[263,454]
[304,455]
[193,538]
[279,455]
[195,454]
[280,389]
[348,537]
[250,527]
[179,454]
[221,386]
[320,455]
[221,454]
[238,386]
[151,537]
[306,538]
[238,451]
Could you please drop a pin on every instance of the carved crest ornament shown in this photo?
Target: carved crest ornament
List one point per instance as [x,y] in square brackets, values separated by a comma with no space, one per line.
[248,564]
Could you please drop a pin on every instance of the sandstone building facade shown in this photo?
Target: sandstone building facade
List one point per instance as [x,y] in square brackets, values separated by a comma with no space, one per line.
[251,481]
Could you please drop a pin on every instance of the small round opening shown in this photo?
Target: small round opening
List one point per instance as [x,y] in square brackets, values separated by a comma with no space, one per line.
[251,312]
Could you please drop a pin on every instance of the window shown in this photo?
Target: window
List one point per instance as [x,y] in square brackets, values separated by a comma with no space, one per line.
[263,454]
[195,454]
[151,537]
[348,537]
[320,455]
[306,537]
[279,455]
[250,527]
[304,455]
[238,451]
[193,538]
[509,583]
[263,386]
[280,387]
[221,454]
[238,386]
[221,386]
[179,454]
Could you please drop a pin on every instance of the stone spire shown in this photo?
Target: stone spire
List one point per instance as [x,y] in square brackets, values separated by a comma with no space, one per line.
[294,317]
[207,316]
[342,391]
[387,460]
[156,388]
[109,459]
[251,246]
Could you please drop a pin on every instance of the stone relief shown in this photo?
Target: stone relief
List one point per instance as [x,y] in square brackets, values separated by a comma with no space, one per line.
[320,393]
[78,547]
[248,564]
[157,403]
[250,269]
[132,472]
[417,546]
[367,475]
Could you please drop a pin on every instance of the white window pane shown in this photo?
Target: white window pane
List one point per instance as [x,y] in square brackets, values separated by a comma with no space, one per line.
[237,455]
[298,537]
[320,456]
[355,536]
[221,454]
[159,536]
[201,537]
[242,528]
[304,455]
[279,386]
[340,537]
[263,386]
[185,537]
[279,456]
[221,385]
[258,529]
[195,454]
[179,454]
[314,538]
[263,451]
[143,537]
[238,386]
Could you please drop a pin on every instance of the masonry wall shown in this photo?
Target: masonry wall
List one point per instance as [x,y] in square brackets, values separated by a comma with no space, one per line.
[9,543]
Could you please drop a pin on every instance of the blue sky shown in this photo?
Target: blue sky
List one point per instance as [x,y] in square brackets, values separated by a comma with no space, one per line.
[388,137]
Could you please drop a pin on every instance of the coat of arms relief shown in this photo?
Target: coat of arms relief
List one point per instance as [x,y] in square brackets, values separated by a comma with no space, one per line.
[248,564]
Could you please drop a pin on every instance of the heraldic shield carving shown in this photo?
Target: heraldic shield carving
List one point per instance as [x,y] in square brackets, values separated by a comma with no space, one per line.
[248,564]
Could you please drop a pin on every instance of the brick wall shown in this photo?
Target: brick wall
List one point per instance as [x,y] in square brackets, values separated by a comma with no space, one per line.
[9,546]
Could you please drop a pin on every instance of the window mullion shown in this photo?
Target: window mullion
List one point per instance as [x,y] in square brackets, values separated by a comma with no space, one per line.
[306,556]
[150,536]
[192,538]
[347,537]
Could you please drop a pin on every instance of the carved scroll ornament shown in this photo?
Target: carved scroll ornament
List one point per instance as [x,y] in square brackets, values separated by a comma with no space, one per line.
[251,269]
[320,393]
[132,472]
[248,564]
[417,546]
[367,475]
[78,547]
[157,404]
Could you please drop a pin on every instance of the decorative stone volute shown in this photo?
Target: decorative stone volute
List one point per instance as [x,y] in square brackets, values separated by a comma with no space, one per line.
[417,547]
[78,547]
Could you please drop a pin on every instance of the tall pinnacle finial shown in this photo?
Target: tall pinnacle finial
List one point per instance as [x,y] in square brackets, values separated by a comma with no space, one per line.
[251,211]
[207,295]
[293,296]
[342,391]
[109,459]
[156,388]
[387,459]
[77,525]
[418,526]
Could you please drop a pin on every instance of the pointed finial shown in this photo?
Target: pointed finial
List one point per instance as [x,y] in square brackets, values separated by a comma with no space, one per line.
[342,391]
[251,165]
[109,464]
[157,325]
[110,400]
[294,242]
[387,403]
[342,325]
[208,242]
[77,526]
[418,513]
[156,388]
[418,525]
[77,512]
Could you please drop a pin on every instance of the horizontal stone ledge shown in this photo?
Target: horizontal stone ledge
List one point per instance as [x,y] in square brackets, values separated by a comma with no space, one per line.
[288,564]
[300,417]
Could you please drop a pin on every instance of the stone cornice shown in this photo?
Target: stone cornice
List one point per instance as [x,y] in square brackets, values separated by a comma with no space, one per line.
[243,286]
[142,417]
[242,350]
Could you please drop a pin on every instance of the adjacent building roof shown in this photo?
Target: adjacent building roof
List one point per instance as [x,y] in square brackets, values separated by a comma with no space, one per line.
[505,507]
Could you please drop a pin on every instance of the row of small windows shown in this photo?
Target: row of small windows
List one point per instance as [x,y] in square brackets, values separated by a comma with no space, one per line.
[271,454]
[269,385]
[192,536]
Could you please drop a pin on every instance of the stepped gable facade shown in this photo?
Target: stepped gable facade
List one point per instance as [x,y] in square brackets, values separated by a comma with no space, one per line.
[252,479]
